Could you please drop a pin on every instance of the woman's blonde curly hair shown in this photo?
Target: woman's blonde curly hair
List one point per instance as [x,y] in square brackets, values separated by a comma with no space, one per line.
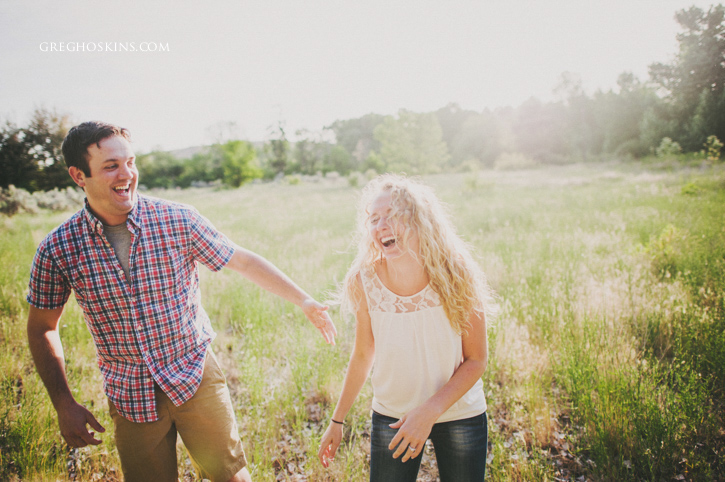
[446,258]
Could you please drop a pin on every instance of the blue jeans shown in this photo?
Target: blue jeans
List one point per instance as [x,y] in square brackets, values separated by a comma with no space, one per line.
[460,448]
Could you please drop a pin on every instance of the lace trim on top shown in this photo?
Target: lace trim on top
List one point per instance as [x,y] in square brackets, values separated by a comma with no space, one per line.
[380,298]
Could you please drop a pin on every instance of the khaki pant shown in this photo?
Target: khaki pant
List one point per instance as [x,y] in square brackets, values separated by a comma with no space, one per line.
[206,424]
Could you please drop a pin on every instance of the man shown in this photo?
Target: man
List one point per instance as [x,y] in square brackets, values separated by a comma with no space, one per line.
[132,263]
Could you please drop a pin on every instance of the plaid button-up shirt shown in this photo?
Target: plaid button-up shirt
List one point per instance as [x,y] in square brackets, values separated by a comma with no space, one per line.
[152,329]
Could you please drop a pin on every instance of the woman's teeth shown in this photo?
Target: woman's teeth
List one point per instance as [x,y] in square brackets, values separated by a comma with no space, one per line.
[387,242]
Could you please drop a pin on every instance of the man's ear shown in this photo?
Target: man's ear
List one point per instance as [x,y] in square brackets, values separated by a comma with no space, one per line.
[77,175]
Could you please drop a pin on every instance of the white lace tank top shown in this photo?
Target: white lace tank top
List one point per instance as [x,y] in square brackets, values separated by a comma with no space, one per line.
[416,352]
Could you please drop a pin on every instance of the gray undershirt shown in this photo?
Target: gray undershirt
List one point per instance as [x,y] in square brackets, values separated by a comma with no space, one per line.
[120,239]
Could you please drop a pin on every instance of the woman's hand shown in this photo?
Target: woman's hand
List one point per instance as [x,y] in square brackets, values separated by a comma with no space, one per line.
[415,426]
[329,443]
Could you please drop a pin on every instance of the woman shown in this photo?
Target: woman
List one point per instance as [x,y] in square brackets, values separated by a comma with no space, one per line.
[419,300]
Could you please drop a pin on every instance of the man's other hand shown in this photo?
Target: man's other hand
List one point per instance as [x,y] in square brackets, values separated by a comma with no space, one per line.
[73,420]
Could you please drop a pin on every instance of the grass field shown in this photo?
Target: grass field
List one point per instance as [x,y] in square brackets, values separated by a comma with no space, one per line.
[607,361]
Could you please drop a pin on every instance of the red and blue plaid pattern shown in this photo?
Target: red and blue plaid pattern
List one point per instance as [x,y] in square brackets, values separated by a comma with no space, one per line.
[152,329]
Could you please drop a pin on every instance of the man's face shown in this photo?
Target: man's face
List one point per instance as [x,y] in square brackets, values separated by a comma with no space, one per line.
[111,187]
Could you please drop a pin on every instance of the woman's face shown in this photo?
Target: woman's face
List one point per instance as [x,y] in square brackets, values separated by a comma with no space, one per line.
[389,235]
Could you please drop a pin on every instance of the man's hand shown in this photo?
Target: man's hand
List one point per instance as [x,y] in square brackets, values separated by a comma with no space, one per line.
[318,316]
[47,350]
[72,420]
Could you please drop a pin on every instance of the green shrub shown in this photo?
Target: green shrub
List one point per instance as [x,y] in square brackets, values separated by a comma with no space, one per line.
[691,189]
[293,180]
[356,179]
[713,146]
[666,250]
[668,148]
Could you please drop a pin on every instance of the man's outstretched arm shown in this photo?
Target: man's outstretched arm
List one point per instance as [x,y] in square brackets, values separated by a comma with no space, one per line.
[47,351]
[263,273]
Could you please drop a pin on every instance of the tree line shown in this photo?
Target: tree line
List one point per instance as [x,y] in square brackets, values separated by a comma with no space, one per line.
[679,108]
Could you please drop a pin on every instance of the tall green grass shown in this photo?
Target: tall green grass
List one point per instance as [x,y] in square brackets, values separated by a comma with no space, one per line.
[607,360]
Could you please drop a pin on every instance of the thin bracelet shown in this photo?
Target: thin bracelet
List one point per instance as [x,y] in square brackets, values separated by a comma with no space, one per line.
[333,420]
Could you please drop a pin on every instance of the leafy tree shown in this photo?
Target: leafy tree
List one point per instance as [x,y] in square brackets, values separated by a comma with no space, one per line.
[204,166]
[337,159]
[233,162]
[657,123]
[540,130]
[581,133]
[619,116]
[412,143]
[160,169]
[239,163]
[30,157]
[373,163]
[695,80]
[708,117]
[357,136]
[309,153]
[305,160]
[481,138]
[278,150]
[453,119]
[17,166]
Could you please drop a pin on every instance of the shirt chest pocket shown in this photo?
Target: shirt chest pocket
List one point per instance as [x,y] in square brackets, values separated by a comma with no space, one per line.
[101,293]
[162,271]
[95,281]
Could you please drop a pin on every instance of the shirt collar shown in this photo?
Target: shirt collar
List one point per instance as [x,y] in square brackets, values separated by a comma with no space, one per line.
[95,224]
[136,214]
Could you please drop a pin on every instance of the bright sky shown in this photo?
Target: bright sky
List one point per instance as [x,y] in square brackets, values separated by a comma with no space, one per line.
[309,63]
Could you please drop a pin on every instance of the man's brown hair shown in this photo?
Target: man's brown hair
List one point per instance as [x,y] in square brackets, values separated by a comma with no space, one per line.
[76,142]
